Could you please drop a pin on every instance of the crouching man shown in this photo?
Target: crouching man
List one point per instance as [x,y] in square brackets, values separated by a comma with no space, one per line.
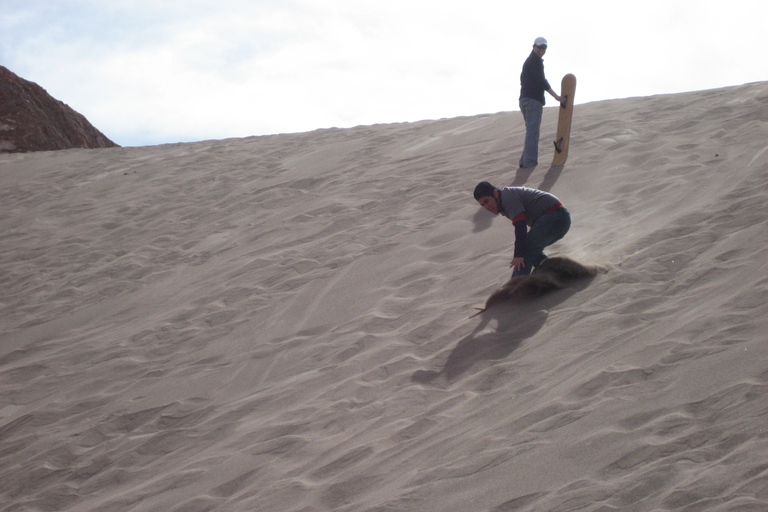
[540,211]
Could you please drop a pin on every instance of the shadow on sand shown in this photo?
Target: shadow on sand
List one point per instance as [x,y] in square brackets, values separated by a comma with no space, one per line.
[519,308]
[523,174]
[515,323]
[551,178]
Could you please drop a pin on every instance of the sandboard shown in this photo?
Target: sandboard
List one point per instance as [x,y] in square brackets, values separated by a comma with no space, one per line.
[563,138]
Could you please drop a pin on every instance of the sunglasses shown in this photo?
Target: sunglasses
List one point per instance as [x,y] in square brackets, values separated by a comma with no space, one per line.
[541,46]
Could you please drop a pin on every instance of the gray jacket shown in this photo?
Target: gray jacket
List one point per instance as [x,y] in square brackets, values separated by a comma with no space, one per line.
[523,203]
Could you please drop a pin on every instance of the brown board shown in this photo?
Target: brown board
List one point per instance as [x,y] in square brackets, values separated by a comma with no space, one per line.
[563,138]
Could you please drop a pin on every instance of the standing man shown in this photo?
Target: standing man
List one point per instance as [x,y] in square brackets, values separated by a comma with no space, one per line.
[532,87]
[548,219]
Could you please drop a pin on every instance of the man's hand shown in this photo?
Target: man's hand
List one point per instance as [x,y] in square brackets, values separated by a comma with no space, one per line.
[517,263]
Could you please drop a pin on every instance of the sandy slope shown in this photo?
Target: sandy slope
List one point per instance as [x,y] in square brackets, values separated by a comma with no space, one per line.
[282,323]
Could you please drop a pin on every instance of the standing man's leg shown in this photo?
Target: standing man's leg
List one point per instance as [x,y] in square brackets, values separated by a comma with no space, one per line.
[532,112]
[547,230]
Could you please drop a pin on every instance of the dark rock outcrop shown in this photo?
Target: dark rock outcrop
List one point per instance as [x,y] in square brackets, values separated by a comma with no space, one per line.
[32,120]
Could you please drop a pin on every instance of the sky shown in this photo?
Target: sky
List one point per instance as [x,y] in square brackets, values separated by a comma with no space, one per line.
[147,72]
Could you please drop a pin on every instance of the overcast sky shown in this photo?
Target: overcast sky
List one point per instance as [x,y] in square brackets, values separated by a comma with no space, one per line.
[149,72]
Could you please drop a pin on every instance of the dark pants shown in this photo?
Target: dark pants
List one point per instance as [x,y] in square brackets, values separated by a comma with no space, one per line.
[546,230]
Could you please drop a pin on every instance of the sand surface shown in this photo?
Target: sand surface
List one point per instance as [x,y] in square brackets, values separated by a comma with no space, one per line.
[282,323]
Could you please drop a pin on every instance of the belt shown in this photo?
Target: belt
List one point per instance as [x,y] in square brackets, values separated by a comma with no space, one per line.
[557,205]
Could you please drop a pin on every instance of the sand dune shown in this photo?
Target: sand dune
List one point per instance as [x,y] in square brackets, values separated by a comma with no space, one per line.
[282,322]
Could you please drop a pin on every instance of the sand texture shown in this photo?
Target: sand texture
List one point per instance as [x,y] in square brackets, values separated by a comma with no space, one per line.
[282,323]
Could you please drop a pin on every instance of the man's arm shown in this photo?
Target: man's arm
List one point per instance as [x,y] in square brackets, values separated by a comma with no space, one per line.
[521,232]
[556,96]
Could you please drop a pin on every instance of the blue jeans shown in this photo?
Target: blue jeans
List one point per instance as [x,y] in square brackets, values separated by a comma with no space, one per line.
[546,230]
[532,111]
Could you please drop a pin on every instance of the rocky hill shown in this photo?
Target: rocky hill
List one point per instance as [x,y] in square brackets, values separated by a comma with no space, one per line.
[32,120]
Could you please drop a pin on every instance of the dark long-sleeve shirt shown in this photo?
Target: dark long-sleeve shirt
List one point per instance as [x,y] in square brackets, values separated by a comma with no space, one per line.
[533,84]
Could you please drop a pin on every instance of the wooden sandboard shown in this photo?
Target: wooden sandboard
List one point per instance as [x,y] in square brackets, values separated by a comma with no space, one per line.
[563,138]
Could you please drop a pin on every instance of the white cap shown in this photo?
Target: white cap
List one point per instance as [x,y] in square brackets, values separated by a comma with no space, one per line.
[540,41]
